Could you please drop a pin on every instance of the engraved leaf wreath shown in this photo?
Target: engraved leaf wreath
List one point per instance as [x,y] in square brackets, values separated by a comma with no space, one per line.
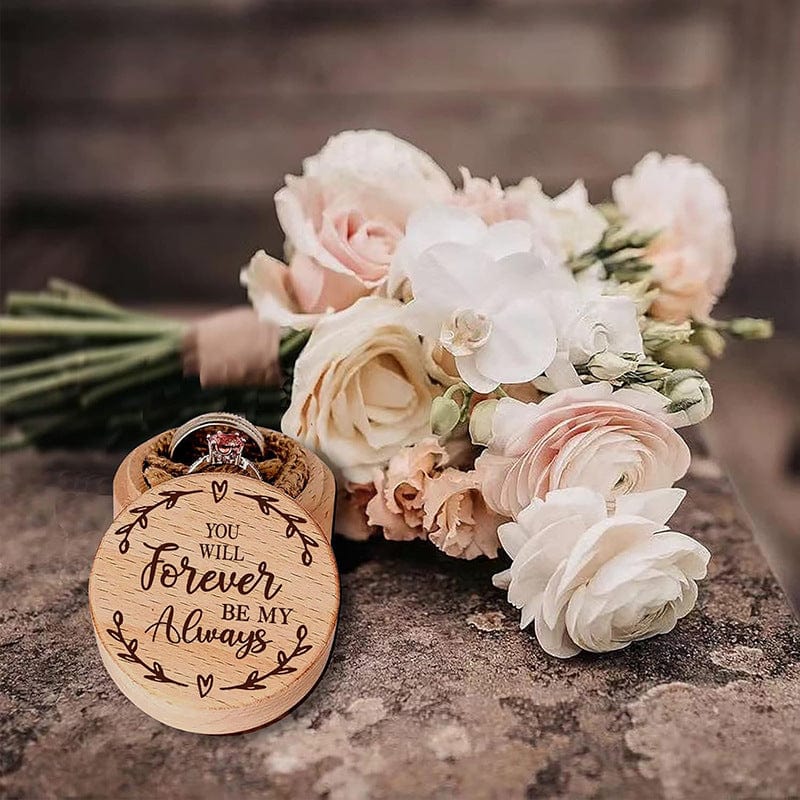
[255,680]
[269,505]
[170,501]
[155,672]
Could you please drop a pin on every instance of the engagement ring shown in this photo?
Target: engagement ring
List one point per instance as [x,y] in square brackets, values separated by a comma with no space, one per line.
[188,433]
[226,449]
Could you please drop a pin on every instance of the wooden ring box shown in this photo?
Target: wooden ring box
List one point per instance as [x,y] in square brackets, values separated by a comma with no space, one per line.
[214,596]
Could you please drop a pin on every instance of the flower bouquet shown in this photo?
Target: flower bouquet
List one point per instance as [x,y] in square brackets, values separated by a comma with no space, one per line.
[484,367]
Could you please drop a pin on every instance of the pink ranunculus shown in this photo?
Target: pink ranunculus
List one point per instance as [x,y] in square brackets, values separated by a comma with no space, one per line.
[577,437]
[344,217]
[693,251]
[457,517]
[397,506]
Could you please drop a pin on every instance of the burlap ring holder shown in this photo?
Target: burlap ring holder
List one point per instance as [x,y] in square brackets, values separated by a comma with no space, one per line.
[214,596]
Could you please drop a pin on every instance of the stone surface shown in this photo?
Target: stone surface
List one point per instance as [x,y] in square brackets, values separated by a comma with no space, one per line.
[432,691]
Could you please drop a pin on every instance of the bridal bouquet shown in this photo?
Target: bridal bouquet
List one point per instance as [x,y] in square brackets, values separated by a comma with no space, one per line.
[488,367]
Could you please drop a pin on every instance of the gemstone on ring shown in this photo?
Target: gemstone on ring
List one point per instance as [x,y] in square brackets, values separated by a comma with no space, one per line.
[225,447]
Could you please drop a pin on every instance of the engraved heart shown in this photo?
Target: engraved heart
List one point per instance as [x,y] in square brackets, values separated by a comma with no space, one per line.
[219,489]
[204,684]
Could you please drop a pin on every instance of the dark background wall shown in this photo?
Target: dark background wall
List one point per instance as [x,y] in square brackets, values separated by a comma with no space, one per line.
[142,140]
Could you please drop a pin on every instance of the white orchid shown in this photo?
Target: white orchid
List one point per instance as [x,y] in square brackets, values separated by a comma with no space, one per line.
[595,580]
[483,292]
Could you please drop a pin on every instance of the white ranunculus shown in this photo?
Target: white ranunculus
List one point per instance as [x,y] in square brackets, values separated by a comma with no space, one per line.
[595,581]
[361,390]
[598,324]
[693,251]
[590,324]
[482,292]
[578,226]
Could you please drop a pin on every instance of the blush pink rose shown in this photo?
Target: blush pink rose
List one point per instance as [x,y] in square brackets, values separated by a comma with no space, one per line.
[577,437]
[296,296]
[457,517]
[345,215]
[397,506]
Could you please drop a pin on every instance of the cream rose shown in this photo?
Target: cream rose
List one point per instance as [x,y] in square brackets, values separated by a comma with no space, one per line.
[594,581]
[361,391]
[457,517]
[693,251]
[344,217]
[578,437]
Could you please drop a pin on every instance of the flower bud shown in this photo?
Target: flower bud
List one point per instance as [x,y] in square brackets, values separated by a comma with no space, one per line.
[641,292]
[690,395]
[609,366]
[445,415]
[651,372]
[682,355]
[480,422]
[750,328]
[657,335]
[711,341]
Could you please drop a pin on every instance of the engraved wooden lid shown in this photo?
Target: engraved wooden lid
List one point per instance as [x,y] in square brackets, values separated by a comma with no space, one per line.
[214,600]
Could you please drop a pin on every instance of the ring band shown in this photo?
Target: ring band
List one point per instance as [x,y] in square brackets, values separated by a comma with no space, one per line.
[217,419]
[244,464]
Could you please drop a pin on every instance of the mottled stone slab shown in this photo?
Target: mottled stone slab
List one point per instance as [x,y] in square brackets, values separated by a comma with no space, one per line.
[432,691]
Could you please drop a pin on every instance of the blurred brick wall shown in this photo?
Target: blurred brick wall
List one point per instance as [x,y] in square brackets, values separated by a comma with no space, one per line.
[142,139]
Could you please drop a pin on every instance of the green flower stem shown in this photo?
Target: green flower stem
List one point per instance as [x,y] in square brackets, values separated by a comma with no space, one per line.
[27,348]
[93,373]
[43,303]
[73,360]
[72,290]
[140,377]
[292,344]
[87,328]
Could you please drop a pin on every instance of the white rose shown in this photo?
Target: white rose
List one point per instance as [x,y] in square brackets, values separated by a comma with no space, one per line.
[693,251]
[595,581]
[361,391]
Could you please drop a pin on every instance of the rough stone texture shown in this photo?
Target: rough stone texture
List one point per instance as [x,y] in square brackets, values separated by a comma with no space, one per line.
[432,691]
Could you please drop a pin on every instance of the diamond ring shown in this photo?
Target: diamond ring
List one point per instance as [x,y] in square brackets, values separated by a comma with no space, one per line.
[186,434]
[226,449]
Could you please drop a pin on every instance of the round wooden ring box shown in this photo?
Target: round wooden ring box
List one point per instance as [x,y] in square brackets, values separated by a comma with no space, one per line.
[214,600]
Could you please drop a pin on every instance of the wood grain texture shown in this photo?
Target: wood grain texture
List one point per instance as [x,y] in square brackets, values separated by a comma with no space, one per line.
[317,498]
[214,600]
